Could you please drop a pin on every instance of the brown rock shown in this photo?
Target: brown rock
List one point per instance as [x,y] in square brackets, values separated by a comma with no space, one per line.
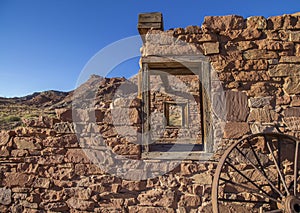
[282,70]
[275,22]
[292,85]
[294,36]
[289,59]
[234,130]
[76,156]
[164,198]
[256,22]
[260,102]
[295,101]
[237,106]
[261,89]
[193,29]
[250,34]
[64,114]
[245,45]
[75,203]
[43,183]
[211,48]
[125,116]
[259,54]
[292,112]
[251,76]
[202,178]
[262,115]
[283,100]
[64,128]
[26,143]
[292,123]
[127,149]
[88,115]
[57,207]
[4,152]
[18,179]
[146,209]
[222,23]
[83,194]
[4,137]
[205,37]
[134,185]
[190,201]
[5,196]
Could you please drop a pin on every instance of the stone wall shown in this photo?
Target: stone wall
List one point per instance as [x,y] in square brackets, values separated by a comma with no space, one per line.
[45,166]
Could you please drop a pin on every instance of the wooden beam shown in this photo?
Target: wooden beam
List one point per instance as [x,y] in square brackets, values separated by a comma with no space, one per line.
[146,107]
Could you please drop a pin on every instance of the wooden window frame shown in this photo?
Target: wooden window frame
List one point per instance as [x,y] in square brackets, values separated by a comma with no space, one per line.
[203,68]
[185,114]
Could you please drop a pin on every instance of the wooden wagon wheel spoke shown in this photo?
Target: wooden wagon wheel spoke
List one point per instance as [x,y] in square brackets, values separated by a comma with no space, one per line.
[277,167]
[253,183]
[260,174]
[296,168]
[250,190]
[274,211]
[256,169]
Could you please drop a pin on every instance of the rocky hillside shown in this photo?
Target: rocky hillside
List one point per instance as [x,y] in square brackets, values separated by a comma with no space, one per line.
[14,110]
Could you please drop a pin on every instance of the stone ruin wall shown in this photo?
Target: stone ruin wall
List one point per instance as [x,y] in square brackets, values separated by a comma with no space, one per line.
[161,93]
[43,166]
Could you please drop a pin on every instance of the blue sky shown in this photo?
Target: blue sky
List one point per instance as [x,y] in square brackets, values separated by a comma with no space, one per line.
[45,44]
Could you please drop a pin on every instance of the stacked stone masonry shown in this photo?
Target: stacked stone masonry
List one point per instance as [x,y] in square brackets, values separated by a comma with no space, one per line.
[44,166]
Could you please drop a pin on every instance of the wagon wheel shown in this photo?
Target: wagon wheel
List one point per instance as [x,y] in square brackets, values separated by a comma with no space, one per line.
[258,174]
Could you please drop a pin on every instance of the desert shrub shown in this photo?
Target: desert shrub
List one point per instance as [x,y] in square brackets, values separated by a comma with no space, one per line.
[12,118]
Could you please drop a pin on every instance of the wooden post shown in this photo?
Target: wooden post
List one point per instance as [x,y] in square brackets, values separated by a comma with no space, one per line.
[146,107]
[206,106]
[149,21]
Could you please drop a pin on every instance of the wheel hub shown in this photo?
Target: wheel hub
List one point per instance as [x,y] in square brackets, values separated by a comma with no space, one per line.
[292,204]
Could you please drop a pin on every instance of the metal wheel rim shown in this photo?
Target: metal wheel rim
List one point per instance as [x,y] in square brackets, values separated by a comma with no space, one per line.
[287,206]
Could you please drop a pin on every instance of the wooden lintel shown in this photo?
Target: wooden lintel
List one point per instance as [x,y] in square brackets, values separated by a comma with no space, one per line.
[200,156]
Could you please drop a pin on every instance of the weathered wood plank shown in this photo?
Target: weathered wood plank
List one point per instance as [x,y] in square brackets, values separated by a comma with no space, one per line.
[150,25]
[200,156]
[150,17]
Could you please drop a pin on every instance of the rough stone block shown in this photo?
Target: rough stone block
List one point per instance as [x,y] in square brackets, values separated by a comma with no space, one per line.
[211,48]
[292,123]
[190,201]
[294,36]
[18,179]
[259,54]
[75,203]
[289,59]
[64,114]
[5,196]
[256,22]
[222,23]
[295,101]
[292,112]
[134,185]
[64,128]
[41,183]
[125,116]
[234,130]
[76,156]
[236,106]
[4,137]
[262,115]
[164,198]
[260,102]
[292,85]
[26,143]
[147,209]
[282,70]
[252,76]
